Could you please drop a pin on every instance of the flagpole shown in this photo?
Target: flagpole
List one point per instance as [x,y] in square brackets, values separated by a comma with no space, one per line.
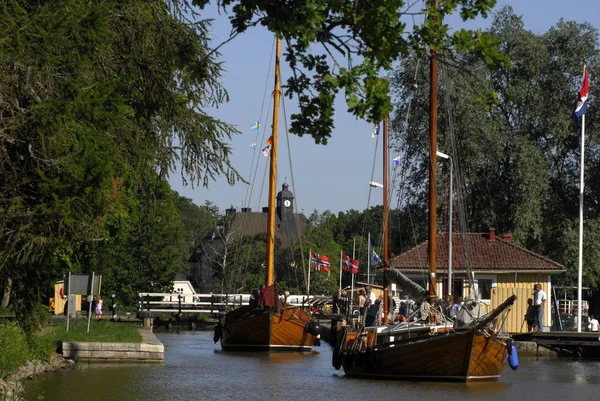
[580,265]
[369,260]
[353,257]
[309,269]
[340,287]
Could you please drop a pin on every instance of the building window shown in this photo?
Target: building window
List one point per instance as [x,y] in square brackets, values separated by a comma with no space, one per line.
[483,286]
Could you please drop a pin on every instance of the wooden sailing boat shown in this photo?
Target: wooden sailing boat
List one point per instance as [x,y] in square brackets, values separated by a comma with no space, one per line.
[474,351]
[270,325]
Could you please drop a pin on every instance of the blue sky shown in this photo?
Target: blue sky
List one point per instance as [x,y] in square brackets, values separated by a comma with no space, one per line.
[334,177]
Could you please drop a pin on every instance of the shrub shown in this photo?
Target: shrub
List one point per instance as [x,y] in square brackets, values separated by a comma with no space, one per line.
[15,350]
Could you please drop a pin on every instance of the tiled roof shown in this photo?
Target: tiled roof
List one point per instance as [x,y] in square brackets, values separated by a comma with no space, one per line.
[497,254]
[254,223]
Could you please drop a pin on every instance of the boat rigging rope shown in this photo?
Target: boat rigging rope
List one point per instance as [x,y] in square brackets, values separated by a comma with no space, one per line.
[296,216]
[464,229]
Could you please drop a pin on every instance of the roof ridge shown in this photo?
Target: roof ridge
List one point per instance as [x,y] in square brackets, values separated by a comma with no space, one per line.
[534,254]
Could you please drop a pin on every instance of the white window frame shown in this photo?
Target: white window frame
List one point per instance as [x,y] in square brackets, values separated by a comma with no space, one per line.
[485,277]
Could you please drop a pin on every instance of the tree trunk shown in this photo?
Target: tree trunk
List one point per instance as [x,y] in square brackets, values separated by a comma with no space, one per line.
[6,295]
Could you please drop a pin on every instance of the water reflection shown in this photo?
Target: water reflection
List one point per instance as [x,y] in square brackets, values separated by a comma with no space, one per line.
[197,369]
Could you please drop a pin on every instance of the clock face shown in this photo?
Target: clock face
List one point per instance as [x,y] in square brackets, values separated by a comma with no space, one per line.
[287,203]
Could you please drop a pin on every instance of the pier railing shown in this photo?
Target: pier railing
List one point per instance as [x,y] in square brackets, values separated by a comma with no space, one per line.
[212,304]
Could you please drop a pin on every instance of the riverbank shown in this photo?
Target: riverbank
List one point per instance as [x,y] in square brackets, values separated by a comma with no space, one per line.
[11,387]
[25,357]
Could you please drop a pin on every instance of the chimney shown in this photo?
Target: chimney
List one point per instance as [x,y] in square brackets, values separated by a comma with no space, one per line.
[246,210]
[492,234]
[507,237]
[266,209]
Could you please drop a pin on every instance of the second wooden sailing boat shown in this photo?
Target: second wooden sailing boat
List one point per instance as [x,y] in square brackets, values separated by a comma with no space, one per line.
[473,351]
[270,325]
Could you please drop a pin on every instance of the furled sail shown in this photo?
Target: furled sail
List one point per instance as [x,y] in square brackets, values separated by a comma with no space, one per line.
[470,312]
[412,289]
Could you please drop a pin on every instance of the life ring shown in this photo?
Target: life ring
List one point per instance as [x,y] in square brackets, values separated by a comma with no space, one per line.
[62,292]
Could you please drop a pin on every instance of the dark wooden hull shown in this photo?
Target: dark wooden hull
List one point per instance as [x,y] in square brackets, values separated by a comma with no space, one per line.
[254,329]
[474,355]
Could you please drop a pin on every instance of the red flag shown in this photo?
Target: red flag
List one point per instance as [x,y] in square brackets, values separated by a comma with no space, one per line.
[354,264]
[349,264]
[319,262]
[345,262]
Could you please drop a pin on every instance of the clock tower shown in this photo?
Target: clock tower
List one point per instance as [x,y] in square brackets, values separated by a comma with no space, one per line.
[285,203]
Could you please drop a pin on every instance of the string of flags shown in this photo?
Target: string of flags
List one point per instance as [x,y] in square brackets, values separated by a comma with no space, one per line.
[255,126]
[267,149]
[375,131]
[414,86]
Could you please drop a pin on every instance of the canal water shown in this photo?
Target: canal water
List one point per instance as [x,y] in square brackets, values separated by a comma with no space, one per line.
[196,369]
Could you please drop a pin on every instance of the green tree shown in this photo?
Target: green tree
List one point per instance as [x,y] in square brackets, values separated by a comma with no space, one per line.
[516,152]
[357,40]
[198,221]
[94,97]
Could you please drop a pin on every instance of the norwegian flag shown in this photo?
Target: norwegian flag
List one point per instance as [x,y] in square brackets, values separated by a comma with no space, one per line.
[349,264]
[319,262]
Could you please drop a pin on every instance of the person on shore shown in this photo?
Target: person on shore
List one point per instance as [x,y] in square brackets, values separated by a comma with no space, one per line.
[593,326]
[99,309]
[540,299]
[530,316]
[336,301]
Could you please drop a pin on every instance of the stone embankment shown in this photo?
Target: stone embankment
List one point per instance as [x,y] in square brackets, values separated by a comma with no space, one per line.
[149,350]
[11,388]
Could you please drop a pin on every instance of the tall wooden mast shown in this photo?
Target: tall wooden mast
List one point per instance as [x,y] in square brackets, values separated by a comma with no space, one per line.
[386,207]
[270,262]
[433,88]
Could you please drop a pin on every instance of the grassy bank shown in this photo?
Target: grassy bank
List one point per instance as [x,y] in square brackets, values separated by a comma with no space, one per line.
[99,332]
[17,348]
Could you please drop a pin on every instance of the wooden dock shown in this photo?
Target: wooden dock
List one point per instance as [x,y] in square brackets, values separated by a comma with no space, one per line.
[584,344]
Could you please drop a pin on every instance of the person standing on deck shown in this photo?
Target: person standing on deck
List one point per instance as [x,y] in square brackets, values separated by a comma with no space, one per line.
[362,302]
[370,295]
[540,299]
[593,326]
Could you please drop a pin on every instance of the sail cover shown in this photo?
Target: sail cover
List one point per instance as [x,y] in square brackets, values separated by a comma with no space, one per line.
[469,314]
[412,289]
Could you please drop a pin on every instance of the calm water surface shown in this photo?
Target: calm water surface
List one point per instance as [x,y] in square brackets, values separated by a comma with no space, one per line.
[197,369]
